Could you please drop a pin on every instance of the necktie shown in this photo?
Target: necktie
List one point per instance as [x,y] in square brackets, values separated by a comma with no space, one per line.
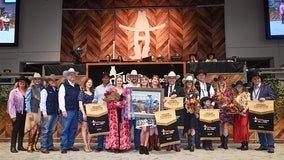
[171,89]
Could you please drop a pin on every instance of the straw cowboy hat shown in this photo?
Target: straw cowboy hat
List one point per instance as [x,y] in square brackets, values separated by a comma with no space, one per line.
[133,73]
[70,70]
[36,75]
[52,77]
[188,78]
[172,74]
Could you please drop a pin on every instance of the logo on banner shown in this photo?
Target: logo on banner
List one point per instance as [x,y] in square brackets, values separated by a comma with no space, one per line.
[209,128]
[141,35]
[167,132]
[98,123]
[260,120]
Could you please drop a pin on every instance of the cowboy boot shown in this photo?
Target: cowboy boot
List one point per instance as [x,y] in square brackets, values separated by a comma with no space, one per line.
[151,140]
[226,142]
[20,144]
[146,150]
[36,138]
[242,146]
[245,147]
[156,141]
[222,141]
[13,144]
[30,142]
[141,150]
[191,143]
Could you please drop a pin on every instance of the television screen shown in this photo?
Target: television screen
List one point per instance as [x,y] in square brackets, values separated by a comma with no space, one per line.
[9,21]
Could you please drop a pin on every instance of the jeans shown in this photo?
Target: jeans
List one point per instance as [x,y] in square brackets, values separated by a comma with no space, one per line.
[69,129]
[266,140]
[101,141]
[197,133]
[47,128]
[136,133]
[207,143]
[179,135]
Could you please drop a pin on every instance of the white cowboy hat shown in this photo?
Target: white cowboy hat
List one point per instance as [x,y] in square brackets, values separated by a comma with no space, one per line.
[172,74]
[188,78]
[133,73]
[70,70]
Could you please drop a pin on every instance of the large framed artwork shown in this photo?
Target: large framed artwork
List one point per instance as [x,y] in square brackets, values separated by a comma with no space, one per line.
[147,101]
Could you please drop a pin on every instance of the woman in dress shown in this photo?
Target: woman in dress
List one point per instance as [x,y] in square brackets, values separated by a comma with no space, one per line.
[153,136]
[118,138]
[86,96]
[145,123]
[17,113]
[190,117]
[223,92]
[241,132]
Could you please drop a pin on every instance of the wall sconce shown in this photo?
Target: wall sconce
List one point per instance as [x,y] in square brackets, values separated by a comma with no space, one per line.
[77,54]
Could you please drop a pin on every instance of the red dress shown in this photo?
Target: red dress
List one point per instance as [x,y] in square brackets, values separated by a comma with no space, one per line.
[114,140]
[240,130]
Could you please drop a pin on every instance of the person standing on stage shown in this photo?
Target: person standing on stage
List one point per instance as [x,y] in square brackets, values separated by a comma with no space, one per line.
[86,96]
[241,130]
[49,108]
[98,97]
[69,106]
[204,89]
[134,77]
[225,94]
[173,91]
[262,92]
[17,113]
[153,135]
[118,138]
[190,118]
[33,119]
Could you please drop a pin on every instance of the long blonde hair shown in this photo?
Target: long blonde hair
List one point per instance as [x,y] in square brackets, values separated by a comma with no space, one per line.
[146,78]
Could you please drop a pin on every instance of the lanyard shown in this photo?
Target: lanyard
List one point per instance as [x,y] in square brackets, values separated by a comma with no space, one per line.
[256,94]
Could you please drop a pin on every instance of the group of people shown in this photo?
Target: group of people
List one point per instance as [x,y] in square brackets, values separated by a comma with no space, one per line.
[211,57]
[34,109]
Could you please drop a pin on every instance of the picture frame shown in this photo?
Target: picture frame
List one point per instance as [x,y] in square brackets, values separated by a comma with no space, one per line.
[146,101]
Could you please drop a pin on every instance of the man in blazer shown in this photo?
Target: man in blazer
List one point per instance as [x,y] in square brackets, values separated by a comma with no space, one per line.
[262,92]
[172,90]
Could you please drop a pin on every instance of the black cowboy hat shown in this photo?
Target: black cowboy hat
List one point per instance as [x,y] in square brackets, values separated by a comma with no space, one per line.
[254,74]
[22,78]
[205,99]
[239,83]
[199,71]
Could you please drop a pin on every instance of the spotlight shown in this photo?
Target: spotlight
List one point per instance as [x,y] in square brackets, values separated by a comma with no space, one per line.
[76,54]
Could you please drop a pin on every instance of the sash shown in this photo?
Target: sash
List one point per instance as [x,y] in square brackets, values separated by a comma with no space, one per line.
[129,108]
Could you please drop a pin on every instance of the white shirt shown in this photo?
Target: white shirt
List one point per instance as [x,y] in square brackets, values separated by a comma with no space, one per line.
[204,92]
[131,85]
[43,98]
[169,89]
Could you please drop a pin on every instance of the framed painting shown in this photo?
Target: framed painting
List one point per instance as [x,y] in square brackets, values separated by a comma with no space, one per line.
[147,101]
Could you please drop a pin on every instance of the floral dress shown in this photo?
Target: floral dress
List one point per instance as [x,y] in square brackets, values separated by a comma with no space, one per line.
[85,98]
[119,132]
[224,117]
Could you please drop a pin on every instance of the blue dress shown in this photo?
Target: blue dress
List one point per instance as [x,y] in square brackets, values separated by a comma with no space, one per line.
[85,98]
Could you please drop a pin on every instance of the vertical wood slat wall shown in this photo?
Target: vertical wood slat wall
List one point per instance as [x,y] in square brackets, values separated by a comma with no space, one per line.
[191,27]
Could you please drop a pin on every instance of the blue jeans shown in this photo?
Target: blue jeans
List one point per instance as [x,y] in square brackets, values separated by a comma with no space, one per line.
[136,133]
[179,135]
[47,128]
[101,141]
[266,140]
[207,143]
[197,133]
[69,129]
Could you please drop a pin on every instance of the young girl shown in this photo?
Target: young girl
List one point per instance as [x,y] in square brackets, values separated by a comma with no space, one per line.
[86,96]
[190,117]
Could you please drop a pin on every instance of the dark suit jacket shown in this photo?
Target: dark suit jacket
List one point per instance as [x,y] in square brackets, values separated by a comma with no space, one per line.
[265,92]
[179,91]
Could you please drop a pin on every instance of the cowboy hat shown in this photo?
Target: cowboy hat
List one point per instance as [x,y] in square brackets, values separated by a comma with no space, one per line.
[36,75]
[52,77]
[22,78]
[188,78]
[204,99]
[209,54]
[199,71]
[221,76]
[192,54]
[133,73]
[70,70]
[239,83]
[255,74]
[172,74]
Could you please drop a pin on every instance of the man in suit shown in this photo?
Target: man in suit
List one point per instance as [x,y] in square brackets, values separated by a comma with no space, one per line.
[262,92]
[172,90]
